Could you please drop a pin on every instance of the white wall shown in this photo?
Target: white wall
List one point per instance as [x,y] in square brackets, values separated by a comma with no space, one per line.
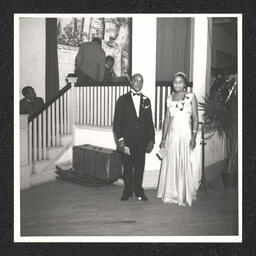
[32,54]
[66,62]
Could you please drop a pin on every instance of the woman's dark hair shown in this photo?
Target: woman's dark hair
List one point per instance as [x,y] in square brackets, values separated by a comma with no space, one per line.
[183,76]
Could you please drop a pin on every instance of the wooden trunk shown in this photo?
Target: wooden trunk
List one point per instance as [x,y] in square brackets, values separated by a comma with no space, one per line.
[101,163]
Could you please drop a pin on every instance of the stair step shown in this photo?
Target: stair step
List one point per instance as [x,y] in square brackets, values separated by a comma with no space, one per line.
[45,176]
[65,165]
[66,135]
[55,147]
[39,165]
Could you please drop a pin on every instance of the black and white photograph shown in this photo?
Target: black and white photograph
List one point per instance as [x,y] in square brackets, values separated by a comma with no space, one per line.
[129,127]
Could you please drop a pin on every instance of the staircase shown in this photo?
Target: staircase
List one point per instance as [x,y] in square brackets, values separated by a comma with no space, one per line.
[44,170]
[46,139]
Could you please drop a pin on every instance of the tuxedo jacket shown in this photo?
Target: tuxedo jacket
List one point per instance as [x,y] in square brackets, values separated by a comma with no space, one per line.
[130,127]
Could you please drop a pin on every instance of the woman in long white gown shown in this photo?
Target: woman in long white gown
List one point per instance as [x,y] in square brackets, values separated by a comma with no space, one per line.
[177,183]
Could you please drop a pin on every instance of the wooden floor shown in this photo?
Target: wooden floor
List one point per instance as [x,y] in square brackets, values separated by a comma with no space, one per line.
[60,208]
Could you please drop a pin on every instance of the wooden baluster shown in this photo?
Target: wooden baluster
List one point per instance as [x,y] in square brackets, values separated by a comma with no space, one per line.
[93,107]
[49,127]
[100,107]
[30,145]
[97,105]
[77,105]
[65,114]
[84,104]
[98,88]
[68,111]
[108,106]
[58,122]
[80,106]
[104,106]
[160,105]
[34,139]
[165,102]
[44,134]
[111,104]
[158,108]
[39,137]
[102,114]
[119,92]
[53,126]
[90,105]
[61,114]
[156,104]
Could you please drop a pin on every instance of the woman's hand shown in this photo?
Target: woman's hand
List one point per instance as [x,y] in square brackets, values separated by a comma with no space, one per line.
[192,144]
[162,144]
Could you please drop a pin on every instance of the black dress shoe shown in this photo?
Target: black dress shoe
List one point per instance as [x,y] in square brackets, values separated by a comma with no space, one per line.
[142,198]
[124,198]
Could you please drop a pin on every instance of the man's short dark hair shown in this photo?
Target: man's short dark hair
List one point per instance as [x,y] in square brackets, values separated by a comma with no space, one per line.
[110,58]
[26,89]
[97,40]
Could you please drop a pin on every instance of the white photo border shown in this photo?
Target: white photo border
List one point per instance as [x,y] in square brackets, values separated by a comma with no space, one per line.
[120,239]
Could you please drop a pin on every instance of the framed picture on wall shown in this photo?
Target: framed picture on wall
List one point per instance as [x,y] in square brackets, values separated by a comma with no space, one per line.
[114,32]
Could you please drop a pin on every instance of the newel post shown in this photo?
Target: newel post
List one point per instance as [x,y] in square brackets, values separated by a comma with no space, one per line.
[72,104]
[25,152]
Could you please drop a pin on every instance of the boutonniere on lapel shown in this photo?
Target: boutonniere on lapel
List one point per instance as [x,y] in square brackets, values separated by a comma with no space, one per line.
[145,103]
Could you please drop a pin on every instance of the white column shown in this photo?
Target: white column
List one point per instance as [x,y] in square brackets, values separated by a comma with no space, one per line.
[144,62]
[144,53]
[201,64]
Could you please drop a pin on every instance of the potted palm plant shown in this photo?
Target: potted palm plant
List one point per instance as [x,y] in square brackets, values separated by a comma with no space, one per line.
[221,116]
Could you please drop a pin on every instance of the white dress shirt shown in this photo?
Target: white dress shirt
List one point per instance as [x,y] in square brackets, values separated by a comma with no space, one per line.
[136,102]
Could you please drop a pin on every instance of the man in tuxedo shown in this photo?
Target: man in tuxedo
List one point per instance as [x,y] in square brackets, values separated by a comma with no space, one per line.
[133,128]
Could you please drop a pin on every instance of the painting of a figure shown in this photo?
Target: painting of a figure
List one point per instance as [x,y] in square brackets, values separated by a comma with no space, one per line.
[114,33]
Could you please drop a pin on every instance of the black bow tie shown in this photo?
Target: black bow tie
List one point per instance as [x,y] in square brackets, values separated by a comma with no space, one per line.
[136,94]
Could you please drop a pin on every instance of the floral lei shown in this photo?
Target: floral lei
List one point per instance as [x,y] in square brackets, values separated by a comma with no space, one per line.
[180,104]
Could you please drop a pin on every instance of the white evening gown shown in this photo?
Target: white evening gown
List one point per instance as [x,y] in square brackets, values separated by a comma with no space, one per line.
[180,172]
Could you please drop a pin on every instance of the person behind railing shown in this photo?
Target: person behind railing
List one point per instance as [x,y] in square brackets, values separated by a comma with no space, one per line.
[30,103]
[109,74]
[177,182]
[135,135]
[90,62]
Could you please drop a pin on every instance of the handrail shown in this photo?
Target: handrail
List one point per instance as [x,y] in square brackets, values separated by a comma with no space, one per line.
[102,84]
[99,84]
[49,102]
